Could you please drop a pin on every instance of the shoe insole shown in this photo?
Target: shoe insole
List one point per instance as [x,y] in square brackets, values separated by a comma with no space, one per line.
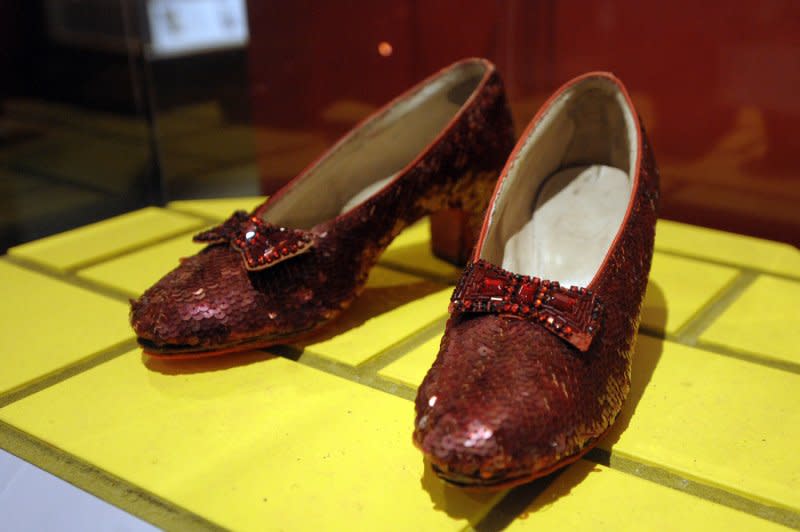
[576,215]
[365,193]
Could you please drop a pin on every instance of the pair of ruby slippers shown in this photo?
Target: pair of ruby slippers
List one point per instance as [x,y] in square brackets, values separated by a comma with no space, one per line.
[535,361]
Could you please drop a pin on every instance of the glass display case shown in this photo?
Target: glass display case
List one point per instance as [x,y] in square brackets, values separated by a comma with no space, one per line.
[128,126]
[109,106]
[112,105]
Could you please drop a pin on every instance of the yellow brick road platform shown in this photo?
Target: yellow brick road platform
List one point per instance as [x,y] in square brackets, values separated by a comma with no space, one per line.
[318,436]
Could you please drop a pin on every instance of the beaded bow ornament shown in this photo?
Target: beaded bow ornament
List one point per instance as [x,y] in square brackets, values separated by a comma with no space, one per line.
[261,244]
[570,313]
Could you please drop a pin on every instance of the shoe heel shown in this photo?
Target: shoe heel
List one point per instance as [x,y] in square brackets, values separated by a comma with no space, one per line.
[453,235]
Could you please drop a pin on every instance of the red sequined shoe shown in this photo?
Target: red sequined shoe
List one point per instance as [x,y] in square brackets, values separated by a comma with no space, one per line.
[297,261]
[535,361]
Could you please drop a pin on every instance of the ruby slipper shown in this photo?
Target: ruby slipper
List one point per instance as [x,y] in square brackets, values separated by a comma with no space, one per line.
[535,361]
[297,261]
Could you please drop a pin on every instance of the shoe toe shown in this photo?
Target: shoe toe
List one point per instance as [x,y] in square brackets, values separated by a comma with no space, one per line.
[505,399]
[208,300]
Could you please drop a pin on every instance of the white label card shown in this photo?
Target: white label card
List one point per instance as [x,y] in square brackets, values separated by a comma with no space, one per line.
[182,27]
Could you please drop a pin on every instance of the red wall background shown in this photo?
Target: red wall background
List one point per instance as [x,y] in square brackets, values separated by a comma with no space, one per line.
[716,83]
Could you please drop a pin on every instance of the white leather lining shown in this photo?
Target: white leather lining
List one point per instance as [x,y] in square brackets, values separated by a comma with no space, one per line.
[566,193]
[363,194]
[576,214]
[358,165]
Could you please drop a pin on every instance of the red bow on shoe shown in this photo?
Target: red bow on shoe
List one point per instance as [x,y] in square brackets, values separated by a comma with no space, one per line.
[570,313]
[261,244]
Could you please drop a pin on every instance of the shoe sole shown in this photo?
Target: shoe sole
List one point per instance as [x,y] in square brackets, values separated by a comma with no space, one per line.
[492,485]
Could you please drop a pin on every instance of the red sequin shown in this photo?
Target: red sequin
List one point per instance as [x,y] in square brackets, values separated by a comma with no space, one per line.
[527,292]
[494,286]
[563,301]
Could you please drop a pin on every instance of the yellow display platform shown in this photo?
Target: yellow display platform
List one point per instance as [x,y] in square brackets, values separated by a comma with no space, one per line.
[318,436]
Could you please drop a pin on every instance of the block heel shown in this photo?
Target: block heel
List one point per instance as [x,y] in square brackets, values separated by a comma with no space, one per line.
[453,235]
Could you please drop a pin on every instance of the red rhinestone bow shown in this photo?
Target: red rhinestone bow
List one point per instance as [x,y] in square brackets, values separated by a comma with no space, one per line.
[261,244]
[570,313]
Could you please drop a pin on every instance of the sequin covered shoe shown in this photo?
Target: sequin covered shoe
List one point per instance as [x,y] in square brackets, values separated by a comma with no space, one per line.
[535,361]
[298,260]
